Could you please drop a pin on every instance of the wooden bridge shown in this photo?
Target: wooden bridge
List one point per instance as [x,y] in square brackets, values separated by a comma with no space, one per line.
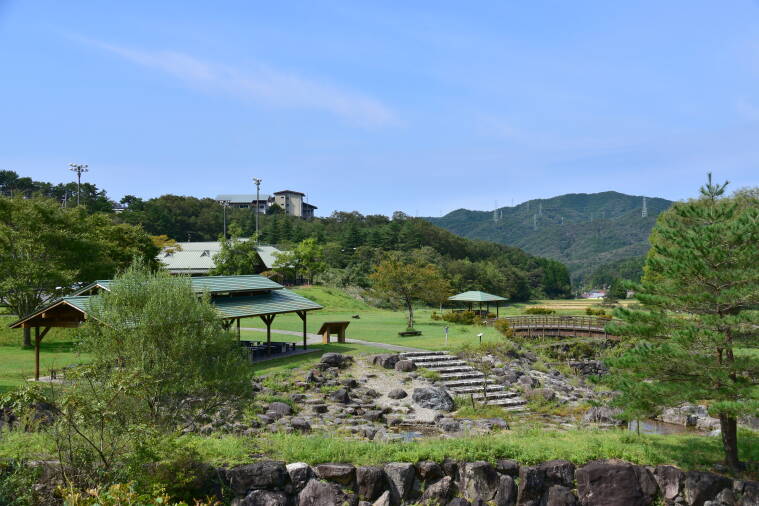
[557,326]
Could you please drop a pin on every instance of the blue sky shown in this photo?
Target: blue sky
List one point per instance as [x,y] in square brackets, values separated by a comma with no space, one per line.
[380,106]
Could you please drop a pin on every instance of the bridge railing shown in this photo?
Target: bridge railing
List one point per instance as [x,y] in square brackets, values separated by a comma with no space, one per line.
[592,323]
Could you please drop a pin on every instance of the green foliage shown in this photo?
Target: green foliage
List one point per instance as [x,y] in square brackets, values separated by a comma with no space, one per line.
[408,281]
[700,287]
[305,260]
[17,481]
[429,374]
[539,310]
[44,246]
[237,257]
[630,269]
[460,317]
[595,312]
[124,494]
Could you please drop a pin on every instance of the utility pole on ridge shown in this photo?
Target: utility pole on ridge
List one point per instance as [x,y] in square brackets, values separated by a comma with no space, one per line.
[78,168]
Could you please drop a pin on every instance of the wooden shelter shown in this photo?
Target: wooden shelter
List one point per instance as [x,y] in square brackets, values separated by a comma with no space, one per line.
[329,328]
[234,297]
[479,297]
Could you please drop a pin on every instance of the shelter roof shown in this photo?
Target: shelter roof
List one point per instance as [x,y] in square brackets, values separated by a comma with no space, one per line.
[477,296]
[274,302]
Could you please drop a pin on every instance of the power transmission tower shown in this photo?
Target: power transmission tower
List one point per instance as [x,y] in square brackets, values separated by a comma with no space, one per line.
[534,221]
[495,212]
[78,168]
[644,211]
[540,209]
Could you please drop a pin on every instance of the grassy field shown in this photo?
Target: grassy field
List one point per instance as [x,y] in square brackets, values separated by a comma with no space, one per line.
[375,325]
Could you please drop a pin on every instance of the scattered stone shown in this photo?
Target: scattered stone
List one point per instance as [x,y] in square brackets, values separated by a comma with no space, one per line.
[405,366]
[397,393]
[528,381]
[433,398]
[340,396]
[319,408]
[560,496]
[614,482]
[334,360]
[449,425]
[507,491]
[265,498]
[300,424]
[603,415]
[319,493]
[670,480]
[373,415]
[508,467]
[386,360]
[429,471]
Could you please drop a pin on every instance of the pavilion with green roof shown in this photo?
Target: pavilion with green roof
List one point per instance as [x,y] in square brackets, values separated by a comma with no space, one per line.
[234,297]
[479,297]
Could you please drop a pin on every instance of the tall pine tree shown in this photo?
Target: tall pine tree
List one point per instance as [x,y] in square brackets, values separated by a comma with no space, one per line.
[697,326]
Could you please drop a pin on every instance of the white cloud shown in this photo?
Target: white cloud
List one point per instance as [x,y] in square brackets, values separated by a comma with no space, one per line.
[262,84]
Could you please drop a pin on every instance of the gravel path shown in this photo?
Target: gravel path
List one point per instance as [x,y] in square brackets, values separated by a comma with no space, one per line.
[317,339]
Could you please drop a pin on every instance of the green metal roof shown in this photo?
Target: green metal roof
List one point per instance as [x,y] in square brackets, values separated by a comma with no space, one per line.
[276,301]
[477,296]
[210,284]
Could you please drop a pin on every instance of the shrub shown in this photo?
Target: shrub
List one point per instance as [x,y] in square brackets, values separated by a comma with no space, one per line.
[436,317]
[429,374]
[539,310]
[461,317]
[503,327]
[595,312]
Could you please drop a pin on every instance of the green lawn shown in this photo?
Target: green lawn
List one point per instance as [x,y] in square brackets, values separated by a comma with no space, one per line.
[307,360]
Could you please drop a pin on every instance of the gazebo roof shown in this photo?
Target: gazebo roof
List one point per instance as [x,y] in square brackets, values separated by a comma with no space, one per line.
[477,296]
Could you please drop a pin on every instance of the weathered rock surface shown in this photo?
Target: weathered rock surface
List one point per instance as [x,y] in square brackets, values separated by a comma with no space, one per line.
[401,480]
[386,360]
[433,398]
[615,483]
[397,393]
[479,480]
[266,474]
[344,474]
[405,366]
[371,482]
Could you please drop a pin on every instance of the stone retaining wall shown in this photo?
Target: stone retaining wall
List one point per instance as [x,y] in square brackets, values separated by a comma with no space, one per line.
[507,483]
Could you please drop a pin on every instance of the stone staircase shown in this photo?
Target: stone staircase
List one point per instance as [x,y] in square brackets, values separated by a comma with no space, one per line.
[461,379]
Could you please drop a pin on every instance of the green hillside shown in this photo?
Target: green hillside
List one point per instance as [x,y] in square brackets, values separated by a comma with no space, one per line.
[584,231]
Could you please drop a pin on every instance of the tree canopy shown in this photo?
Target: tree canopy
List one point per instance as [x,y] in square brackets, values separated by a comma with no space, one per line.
[695,336]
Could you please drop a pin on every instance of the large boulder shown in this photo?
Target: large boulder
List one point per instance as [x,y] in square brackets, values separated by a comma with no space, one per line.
[615,483]
[535,481]
[701,486]
[371,482]
[401,477]
[670,480]
[479,480]
[439,492]
[267,474]
[319,493]
[300,424]
[264,498]
[560,496]
[433,398]
[300,474]
[429,471]
[344,474]
[507,491]
[507,466]
[386,360]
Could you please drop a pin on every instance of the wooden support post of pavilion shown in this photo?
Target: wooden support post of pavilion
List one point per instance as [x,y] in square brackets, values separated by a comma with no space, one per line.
[302,315]
[238,330]
[268,319]
[37,340]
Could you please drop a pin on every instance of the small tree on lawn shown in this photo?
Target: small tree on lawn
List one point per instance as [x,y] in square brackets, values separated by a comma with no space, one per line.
[236,257]
[699,295]
[409,282]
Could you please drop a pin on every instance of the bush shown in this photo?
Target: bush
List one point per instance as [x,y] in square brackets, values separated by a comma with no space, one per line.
[436,317]
[539,310]
[503,327]
[460,317]
[595,312]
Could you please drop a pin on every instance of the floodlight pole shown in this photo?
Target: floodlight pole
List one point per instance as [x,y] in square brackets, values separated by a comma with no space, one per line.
[257,182]
[224,206]
[78,168]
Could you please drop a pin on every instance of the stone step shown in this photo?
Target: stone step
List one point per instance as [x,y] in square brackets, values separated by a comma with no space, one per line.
[473,389]
[462,375]
[434,360]
[507,407]
[414,354]
[447,370]
[433,365]
[498,395]
[466,382]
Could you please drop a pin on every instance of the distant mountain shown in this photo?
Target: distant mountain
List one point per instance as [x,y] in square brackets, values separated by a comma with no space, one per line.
[584,231]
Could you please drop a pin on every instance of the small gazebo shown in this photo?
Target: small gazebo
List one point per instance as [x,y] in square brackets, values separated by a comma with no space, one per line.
[479,297]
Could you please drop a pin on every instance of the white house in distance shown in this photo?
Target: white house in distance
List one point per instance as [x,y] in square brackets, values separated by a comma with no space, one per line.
[196,258]
[292,203]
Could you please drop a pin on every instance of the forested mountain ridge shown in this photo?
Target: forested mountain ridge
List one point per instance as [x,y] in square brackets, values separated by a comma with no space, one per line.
[353,243]
[583,231]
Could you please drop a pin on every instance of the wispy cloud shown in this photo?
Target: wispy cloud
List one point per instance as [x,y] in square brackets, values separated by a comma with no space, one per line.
[261,84]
